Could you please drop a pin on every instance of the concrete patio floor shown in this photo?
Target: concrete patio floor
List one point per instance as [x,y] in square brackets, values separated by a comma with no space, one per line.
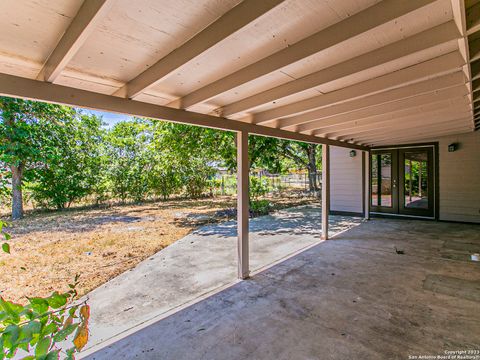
[198,264]
[352,297]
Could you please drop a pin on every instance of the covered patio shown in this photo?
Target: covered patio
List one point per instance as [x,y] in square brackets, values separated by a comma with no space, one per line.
[369,80]
[352,297]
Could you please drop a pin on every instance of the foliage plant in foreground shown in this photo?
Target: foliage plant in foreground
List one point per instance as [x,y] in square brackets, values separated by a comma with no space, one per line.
[36,330]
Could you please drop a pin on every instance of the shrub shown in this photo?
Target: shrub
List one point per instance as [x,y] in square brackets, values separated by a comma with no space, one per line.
[258,187]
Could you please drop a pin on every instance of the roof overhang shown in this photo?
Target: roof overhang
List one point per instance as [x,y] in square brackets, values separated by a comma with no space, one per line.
[348,73]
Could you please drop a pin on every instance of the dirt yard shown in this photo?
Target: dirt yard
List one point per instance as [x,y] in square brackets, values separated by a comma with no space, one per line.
[48,249]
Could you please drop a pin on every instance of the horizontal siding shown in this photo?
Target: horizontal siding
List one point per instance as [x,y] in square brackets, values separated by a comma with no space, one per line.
[459,179]
[346,180]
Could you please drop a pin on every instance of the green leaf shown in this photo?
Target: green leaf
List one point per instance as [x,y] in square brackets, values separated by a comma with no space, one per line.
[10,335]
[6,248]
[7,236]
[70,353]
[42,347]
[52,355]
[64,333]
[57,300]
[10,309]
[49,329]
[39,305]
[30,329]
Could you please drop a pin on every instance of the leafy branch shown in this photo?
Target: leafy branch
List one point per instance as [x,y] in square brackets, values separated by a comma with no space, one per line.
[37,327]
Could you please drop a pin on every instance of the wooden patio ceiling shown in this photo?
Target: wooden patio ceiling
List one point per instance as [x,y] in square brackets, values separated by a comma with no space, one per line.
[352,73]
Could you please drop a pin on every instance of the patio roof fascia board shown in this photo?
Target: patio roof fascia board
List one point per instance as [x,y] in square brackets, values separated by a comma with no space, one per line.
[474,47]
[354,25]
[414,73]
[473,19]
[238,17]
[460,18]
[84,23]
[419,88]
[381,109]
[19,87]
[432,37]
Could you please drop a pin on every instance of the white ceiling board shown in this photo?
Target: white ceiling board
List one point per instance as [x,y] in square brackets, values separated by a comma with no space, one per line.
[136,34]
[390,32]
[31,28]
[284,25]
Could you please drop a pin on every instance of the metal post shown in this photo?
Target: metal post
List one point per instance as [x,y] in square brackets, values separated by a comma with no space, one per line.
[410,181]
[366,185]
[242,203]
[420,178]
[325,189]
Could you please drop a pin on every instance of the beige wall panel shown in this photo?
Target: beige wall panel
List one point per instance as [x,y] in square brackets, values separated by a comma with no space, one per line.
[346,180]
[460,178]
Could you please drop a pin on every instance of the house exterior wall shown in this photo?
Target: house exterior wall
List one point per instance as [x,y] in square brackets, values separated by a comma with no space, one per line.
[459,178]
[345,181]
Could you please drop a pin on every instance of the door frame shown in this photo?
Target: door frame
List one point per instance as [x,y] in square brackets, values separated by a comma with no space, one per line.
[394,175]
[435,182]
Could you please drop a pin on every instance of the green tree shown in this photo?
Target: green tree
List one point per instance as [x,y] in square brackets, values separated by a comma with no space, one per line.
[129,159]
[25,139]
[75,169]
[190,151]
[304,156]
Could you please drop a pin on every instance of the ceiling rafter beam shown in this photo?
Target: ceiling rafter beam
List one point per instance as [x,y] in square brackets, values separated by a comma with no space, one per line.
[401,115]
[233,20]
[352,26]
[90,14]
[420,138]
[408,91]
[19,87]
[454,123]
[435,96]
[398,126]
[423,119]
[442,64]
[424,133]
[429,38]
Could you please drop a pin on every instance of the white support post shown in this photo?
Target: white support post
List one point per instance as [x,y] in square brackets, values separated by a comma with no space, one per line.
[325,189]
[242,203]
[366,184]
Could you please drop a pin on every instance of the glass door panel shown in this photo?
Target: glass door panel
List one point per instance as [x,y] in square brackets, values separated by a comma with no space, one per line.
[416,175]
[383,187]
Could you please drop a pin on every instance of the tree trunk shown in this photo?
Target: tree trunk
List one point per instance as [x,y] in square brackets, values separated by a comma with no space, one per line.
[17,198]
[312,168]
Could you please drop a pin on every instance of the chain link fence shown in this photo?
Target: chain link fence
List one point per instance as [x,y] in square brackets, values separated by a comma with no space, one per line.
[226,184]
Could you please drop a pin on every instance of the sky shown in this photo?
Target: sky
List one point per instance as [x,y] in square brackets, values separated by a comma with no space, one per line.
[109,119]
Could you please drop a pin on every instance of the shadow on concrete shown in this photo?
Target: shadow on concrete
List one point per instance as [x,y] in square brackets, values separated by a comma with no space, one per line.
[346,298]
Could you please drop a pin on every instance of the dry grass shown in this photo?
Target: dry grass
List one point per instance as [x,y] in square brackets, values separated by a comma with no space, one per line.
[48,249]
